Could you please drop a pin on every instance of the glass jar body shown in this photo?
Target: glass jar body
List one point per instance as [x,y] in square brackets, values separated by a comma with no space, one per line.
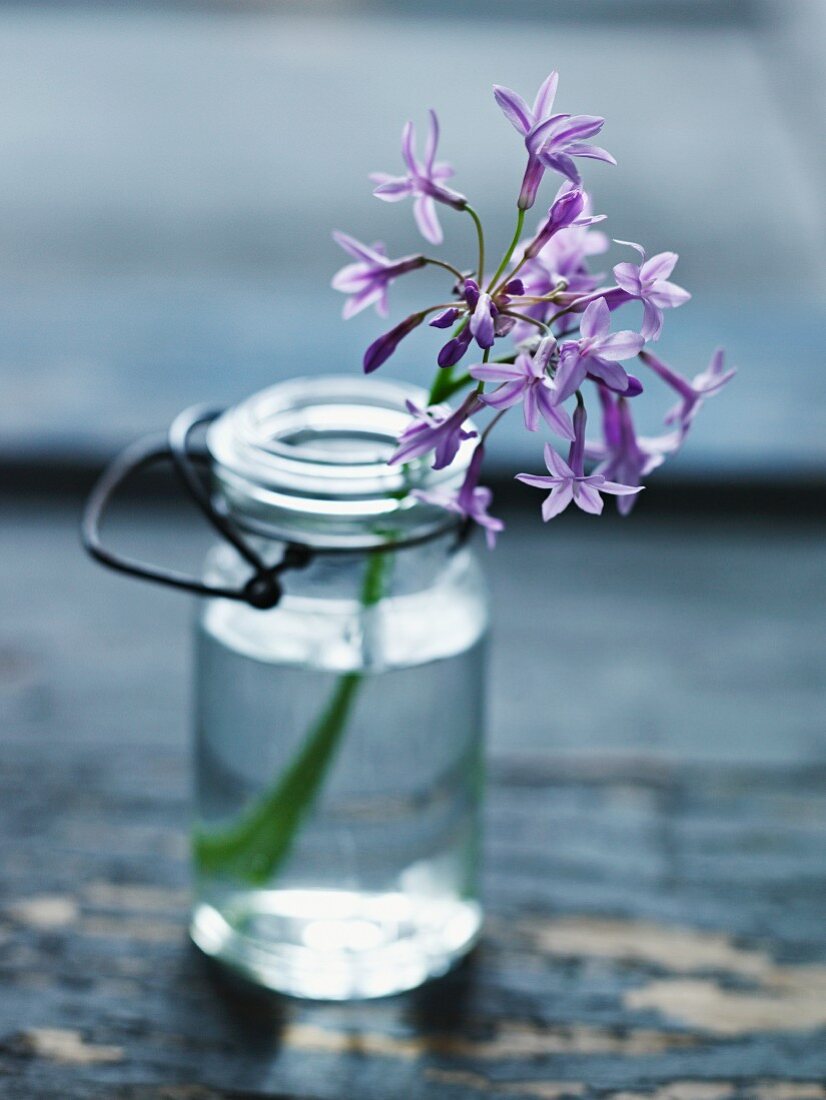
[339,771]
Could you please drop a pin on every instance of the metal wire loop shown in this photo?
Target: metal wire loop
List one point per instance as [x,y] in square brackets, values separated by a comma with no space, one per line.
[263,589]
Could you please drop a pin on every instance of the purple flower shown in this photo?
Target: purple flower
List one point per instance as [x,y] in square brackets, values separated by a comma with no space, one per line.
[423,182]
[648,282]
[527,381]
[566,211]
[482,314]
[472,501]
[625,456]
[525,121]
[597,352]
[559,139]
[451,352]
[382,348]
[568,481]
[551,140]
[692,394]
[367,281]
[434,429]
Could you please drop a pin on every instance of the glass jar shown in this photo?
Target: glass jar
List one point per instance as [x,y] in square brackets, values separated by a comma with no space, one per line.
[338,737]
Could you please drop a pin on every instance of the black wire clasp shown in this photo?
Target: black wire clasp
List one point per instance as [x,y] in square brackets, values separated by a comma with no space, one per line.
[263,589]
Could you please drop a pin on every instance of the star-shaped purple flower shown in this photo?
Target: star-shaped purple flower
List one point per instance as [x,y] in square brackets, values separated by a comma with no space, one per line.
[527,380]
[649,283]
[435,430]
[423,182]
[596,353]
[472,501]
[552,140]
[567,480]
[692,393]
[626,457]
[367,280]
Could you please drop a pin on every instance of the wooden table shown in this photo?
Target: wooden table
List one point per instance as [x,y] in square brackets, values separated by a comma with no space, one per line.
[655,838]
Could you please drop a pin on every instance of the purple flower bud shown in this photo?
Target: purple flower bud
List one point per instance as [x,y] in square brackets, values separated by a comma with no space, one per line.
[566,209]
[382,348]
[471,292]
[455,348]
[635,387]
[446,318]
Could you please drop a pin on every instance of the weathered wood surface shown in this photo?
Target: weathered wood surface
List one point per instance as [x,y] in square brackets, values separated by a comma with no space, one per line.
[655,840]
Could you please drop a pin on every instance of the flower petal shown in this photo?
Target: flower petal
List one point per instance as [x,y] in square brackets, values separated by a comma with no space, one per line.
[496,372]
[659,266]
[587,498]
[409,148]
[592,152]
[394,190]
[432,142]
[558,500]
[507,394]
[628,278]
[652,321]
[610,373]
[538,481]
[576,128]
[596,320]
[356,248]
[481,323]
[555,416]
[514,108]
[619,345]
[424,211]
[556,463]
[544,101]
[620,490]
[667,295]
[530,409]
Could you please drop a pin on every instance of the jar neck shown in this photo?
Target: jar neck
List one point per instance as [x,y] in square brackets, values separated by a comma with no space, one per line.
[310,461]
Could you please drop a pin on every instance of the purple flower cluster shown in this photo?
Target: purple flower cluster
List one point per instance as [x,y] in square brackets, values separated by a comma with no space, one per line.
[541,323]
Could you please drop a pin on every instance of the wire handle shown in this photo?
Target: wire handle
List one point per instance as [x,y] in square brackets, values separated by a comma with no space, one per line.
[263,589]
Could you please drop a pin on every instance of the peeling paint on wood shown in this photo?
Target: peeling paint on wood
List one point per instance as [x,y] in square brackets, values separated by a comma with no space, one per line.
[46,912]
[66,1047]
[676,948]
[795,1002]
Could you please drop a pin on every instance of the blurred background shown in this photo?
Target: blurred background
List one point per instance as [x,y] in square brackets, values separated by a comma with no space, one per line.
[169,178]
[172,171]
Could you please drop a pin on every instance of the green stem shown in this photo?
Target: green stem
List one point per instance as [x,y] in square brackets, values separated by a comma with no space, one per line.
[253,849]
[447,267]
[480,236]
[520,221]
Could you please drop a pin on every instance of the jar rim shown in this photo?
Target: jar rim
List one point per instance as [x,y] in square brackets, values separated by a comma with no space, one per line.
[306,460]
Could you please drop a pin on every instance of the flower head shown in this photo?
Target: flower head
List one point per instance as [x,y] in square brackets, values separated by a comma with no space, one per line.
[649,283]
[423,182]
[597,352]
[436,430]
[567,480]
[552,140]
[692,393]
[527,380]
[367,280]
[472,501]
